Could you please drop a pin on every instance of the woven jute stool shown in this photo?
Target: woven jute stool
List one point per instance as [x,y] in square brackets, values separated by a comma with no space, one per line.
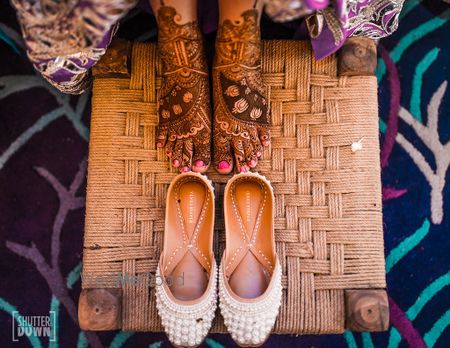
[323,163]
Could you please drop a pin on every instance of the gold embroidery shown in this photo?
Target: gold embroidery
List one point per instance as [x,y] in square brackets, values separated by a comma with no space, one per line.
[63,36]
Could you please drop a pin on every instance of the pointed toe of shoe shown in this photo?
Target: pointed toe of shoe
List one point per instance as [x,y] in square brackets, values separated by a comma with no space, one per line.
[250,322]
[187,325]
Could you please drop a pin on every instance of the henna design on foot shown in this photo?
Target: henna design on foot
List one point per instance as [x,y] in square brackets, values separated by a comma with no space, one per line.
[241,109]
[184,110]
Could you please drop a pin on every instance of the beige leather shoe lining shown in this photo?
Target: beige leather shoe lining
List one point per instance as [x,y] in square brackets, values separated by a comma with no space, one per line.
[187,253]
[250,250]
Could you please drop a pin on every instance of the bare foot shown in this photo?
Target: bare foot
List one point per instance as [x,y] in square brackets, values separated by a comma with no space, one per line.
[184,110]
[241,110]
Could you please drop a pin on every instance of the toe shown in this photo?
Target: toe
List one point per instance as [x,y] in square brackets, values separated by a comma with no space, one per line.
[186,158]
[264,136]
[239,156]
[161,137]
[250,154]
[170,144]
[177,154]
[222,155]
[256,143]
[170,147]
[258,149]
[201,158]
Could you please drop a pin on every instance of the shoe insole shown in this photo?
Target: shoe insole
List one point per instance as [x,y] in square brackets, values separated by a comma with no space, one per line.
[189,278]
[250,278]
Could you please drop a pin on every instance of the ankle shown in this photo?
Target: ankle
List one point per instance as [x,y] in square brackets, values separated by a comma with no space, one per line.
[181,47]
[238,42]
[170,32]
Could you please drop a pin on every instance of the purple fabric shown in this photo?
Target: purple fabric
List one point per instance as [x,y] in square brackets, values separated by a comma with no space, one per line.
[62,75]
[317,4]
[321,45]
[382,23]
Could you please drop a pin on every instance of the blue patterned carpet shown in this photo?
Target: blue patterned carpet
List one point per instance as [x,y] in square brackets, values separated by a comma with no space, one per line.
[43,147]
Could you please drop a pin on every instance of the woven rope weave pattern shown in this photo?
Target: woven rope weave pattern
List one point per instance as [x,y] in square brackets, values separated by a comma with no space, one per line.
[328,198]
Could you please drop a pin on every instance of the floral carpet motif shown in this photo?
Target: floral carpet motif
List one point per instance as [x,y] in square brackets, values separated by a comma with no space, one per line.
[43,148]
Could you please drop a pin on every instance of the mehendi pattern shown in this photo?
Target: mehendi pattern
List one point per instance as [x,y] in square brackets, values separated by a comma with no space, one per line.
[241,109]
[184,110]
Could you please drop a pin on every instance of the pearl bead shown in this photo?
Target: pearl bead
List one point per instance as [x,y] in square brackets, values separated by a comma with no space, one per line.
[250,322]
[187,325]
[256,340]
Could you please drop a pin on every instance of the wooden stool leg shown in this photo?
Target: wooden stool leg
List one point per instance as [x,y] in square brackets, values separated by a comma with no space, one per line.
[358,56]
[367,310]
[100,309]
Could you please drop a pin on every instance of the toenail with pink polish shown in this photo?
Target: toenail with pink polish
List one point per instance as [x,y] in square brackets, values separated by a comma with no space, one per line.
[223,165]
[252,163]
[176,163]
[185,169]
[243,169]
[159,145]
[199,163]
